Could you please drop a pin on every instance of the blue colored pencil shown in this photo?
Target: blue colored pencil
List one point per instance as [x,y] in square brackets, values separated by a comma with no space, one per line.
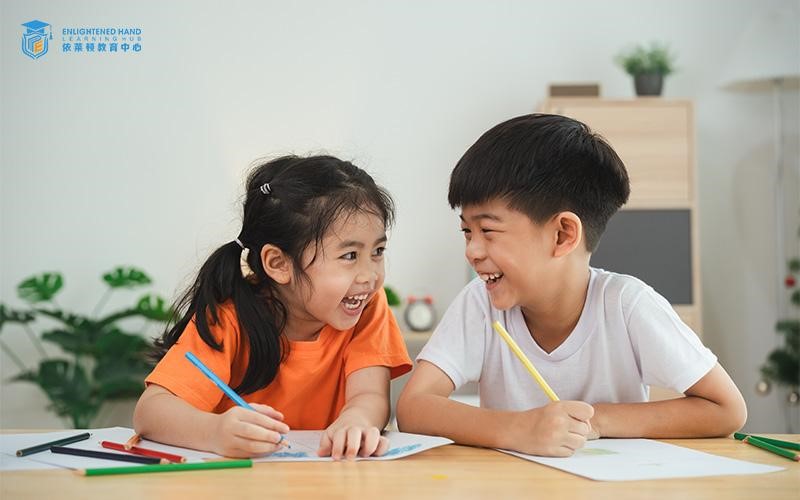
[222,385]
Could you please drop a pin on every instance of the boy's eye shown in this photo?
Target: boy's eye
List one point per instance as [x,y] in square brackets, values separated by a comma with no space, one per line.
[350,256]
[379,252]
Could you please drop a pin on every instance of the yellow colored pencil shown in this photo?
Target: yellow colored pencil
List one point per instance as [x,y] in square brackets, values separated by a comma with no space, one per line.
[525,361]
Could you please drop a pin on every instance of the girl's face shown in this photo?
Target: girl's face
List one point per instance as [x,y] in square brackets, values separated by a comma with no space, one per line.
[344,274]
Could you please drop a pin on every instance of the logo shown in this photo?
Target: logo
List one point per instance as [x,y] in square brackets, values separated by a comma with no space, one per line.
[35,39]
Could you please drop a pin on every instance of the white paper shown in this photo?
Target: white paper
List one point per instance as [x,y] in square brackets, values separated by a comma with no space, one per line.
[305,444]
[304,449]
[637,459]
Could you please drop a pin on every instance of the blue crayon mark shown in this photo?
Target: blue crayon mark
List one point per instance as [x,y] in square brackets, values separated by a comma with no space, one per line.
[289,454]
[401,449]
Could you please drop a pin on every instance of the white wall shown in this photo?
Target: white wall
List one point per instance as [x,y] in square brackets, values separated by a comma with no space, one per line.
[139,159]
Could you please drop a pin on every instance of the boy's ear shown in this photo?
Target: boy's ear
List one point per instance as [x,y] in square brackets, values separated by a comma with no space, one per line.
[569,233]
[277,264]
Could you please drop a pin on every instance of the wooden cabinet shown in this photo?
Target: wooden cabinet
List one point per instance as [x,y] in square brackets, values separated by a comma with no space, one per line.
[655,139]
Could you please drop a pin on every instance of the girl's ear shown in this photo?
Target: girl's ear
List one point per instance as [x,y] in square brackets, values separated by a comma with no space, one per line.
[277,264]
[569,233]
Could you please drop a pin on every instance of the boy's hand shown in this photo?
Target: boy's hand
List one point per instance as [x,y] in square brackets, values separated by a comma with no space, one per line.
[555,430]
[348,438]
[243,433]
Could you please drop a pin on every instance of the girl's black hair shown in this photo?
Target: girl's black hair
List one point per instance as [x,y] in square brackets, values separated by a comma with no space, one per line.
[306,195]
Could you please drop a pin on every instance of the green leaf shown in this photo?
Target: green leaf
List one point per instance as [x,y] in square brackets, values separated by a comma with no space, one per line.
[782,367]
[73,341]
[8,315]
[68,319]
[796,298]
[391,296]
[40,288]
[116,345]
[154,307]
[126,277]
[794,265]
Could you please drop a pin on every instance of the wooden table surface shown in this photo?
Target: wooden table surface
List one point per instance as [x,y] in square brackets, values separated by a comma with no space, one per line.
[446,472]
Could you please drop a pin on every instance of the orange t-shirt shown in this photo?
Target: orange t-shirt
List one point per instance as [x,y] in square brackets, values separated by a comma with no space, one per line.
[309,388]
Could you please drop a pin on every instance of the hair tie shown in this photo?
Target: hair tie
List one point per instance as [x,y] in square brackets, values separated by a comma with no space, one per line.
[265,188]
[247,271]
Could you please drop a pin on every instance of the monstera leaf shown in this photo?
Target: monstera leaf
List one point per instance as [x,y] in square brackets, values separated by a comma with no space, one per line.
[154,308]
[126,277]
[40,288]
[8,315]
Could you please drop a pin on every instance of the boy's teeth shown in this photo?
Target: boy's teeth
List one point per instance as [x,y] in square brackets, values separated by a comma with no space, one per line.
[491,276]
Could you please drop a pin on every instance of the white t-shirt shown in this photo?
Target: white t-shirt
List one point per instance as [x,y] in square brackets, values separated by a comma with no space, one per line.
[628,337]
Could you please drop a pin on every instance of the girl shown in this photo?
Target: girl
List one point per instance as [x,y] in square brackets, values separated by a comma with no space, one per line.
[291,314]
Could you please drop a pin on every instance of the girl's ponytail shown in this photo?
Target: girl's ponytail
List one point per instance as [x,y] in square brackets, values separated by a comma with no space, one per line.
[221,279]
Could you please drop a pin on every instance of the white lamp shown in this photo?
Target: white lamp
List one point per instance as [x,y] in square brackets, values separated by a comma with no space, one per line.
[767,57]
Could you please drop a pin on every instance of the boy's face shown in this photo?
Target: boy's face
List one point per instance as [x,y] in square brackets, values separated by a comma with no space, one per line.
[346,272]
[508,251]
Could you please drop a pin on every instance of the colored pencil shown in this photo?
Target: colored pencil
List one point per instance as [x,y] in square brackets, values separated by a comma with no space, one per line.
[775,442]
[223,386]
[772,448]
[525,361]
[133,441]
[137,450]
[58,442]
[217,464]
[107,456]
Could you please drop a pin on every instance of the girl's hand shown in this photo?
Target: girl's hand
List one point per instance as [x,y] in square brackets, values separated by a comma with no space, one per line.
[243,433]
[555,430]
[349,439]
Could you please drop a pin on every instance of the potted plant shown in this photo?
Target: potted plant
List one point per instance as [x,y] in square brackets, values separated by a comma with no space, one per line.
[648,66]
[99,361]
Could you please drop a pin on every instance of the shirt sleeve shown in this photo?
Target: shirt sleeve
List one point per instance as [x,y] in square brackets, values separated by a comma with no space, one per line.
[670,353]
[179,376]
[377,340]
[458,343]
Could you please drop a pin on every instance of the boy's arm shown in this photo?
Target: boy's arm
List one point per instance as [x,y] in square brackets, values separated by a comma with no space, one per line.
[356,431]
[557,429]
[713,407]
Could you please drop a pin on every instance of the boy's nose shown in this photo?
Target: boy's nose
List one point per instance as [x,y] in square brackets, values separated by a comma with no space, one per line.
[474,251]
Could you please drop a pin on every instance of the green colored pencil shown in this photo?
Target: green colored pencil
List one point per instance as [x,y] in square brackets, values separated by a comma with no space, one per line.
[142,469]
[774,442]
[772,448]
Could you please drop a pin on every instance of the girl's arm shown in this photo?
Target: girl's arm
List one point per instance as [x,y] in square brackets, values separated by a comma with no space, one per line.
[164,417]
[357,430]
[712,407]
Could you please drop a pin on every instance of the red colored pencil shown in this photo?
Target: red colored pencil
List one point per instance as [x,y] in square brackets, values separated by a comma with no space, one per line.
[136,450]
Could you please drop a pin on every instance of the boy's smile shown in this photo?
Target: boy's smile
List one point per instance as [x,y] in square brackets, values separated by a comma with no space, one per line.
[506,249]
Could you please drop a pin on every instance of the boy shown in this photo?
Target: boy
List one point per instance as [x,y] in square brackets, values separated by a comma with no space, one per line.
[535,194]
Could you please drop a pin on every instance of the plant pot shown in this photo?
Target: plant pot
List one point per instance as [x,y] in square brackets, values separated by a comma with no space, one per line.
[648,84]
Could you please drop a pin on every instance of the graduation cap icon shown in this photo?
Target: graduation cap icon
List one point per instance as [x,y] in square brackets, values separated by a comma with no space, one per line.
[37,26]
[34,40]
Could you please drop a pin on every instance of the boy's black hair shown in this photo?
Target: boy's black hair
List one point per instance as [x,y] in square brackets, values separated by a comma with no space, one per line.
[541,165]
[305,196]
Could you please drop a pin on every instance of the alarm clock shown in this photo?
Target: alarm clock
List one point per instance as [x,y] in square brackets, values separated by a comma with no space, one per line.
[420,315]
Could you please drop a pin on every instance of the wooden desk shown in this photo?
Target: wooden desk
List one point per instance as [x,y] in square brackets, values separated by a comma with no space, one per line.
[447,472]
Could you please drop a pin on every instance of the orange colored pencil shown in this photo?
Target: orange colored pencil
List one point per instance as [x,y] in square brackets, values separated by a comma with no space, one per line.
[133,441]
[136,450]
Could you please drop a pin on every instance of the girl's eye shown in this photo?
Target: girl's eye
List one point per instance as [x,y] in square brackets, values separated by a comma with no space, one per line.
[379,252]
[484,231]
[350,256]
